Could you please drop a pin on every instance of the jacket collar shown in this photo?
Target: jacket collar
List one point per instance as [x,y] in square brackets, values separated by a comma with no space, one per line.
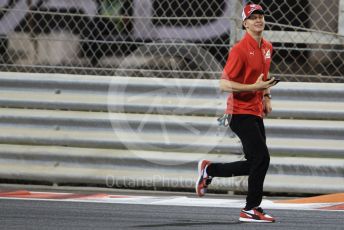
[252,42]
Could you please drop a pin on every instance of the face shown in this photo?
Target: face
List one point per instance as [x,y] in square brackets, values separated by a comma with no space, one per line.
[255,23]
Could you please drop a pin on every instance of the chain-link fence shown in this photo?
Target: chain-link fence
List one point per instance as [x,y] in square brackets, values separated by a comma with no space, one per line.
[167,38]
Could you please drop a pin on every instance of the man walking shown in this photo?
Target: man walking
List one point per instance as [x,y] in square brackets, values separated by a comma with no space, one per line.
[246,76]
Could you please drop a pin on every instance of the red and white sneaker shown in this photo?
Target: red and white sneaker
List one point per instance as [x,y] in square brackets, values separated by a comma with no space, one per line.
[203,179]
[255,215]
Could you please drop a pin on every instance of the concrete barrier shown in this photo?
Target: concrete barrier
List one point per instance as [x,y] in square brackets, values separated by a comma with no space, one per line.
[97,130]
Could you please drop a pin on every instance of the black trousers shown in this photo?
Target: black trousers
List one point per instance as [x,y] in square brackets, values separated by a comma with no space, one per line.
[251,131]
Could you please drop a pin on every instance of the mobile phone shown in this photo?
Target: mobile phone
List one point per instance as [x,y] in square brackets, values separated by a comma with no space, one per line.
[275,81]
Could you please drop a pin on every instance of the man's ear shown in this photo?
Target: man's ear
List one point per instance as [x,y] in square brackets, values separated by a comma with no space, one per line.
[244,24]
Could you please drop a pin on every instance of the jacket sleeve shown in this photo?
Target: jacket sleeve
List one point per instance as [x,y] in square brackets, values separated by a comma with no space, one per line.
[234,65]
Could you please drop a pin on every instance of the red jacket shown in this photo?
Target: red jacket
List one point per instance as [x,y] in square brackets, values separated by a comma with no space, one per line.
[246,61]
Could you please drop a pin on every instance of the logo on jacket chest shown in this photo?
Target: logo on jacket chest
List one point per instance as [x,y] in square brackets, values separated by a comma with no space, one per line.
[267,53]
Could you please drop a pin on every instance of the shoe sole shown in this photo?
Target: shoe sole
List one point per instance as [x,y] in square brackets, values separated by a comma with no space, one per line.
[254,221]
[199,178]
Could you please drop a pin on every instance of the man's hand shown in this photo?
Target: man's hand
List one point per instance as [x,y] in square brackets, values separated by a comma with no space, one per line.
[267,106]
[263,85]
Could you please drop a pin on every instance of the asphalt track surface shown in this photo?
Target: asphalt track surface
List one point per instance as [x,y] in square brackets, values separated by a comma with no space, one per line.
[42,214]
